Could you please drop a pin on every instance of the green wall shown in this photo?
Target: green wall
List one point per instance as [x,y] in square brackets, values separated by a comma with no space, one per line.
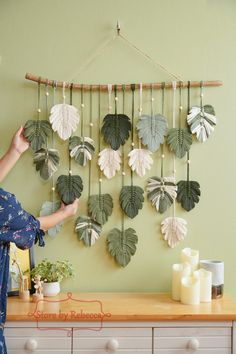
[195,39]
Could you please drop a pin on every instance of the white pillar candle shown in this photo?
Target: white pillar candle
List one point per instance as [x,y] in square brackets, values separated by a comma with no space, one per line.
[205,284]
[190,290]
[178,271]
[190,256]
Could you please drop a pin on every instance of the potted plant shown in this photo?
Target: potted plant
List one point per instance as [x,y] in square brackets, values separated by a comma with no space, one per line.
[52,274]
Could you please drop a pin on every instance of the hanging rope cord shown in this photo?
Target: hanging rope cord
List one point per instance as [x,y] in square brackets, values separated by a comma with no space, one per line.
[123,162]
[132,129]
[108,43]
[188,98]
[162,112]
[99,139]
[71,102]
[173,124]
[90,135]
[53,146]
[39,97]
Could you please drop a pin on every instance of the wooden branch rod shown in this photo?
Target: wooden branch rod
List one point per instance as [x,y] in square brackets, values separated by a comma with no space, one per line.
[103,87]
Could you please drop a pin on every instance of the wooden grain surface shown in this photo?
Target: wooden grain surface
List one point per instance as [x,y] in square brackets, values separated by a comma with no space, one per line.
[118,307]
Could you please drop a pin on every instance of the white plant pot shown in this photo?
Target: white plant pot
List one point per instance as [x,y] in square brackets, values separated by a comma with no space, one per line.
[51,289]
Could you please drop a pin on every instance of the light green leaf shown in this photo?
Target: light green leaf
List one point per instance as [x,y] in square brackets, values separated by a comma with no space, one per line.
[202,121]
[161,192]
[188,194]
[179,140]
[49,208]
[116,129]
[100,207]
[82,149]
[88,230]
[152,130]
[131,200]
[46,161]
[69,188]
[122,245]
[37,132]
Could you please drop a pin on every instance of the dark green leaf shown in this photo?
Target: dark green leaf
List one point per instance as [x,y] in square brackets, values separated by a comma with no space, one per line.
[69,188]
[188,194]
[152,130]
[37,132]
[88,230]
[131,200]
[116,129]
[179,140]
[100,207]
[46,161]
[122,245]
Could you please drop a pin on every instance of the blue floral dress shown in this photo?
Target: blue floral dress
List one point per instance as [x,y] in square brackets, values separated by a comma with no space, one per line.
[20,227]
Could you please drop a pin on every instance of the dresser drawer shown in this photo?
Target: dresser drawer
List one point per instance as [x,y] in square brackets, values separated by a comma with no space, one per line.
[118,340]
[200,339]
[21,340]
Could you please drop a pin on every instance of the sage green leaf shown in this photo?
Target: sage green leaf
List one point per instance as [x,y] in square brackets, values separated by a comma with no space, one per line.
[202,121]
[49,208]
[188,194]
[179,141]
[152,130]
[69,188]
[88,230]
[116,129]
[100,207]
[131,200]
[37,132]
[82,149]
[161,192]
[46,161]
[122,245]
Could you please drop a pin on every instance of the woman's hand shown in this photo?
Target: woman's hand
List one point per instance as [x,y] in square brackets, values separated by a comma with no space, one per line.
[70,209]
[19,142]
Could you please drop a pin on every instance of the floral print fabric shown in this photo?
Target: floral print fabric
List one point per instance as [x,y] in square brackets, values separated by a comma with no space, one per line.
[20,227]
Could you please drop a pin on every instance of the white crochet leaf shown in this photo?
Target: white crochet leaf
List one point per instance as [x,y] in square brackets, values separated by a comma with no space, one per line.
[64,119]
[109,162]
[202,121]
[174,230]
[140,160]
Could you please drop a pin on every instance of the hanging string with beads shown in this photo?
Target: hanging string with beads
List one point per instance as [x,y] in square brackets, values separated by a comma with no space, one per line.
[188,98]
[71,102]
[53,145]
[132,129]
[162,112]
[91,136]
[173,125]
[140,109]
[82,112]
[123,162]
[99,138]
[39,99]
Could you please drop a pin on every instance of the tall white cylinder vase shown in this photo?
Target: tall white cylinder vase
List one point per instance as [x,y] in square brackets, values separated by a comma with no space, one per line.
[217,269]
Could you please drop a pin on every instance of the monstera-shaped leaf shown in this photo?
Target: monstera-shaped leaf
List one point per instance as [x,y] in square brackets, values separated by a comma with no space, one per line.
[180,141]
[174,230]
[88,230]
[37,132]
[116,129]
[82,149]
[140,160]
[131,200]
[109,162]
[152,130]
[188,194]
[161,192]
[46,161]
[122,245]
[64,119]
[49,208]
[100,207]
[202,121]
[69,188]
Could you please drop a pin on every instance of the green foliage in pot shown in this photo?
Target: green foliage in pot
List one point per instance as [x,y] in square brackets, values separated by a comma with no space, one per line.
[52,272]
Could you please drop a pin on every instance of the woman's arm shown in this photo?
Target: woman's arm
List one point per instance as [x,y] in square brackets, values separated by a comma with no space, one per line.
[18,145]
[46,222]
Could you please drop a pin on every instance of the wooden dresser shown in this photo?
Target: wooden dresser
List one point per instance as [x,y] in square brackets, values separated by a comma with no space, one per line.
[127,323]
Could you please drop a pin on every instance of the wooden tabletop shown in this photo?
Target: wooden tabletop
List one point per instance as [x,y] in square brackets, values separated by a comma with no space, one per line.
[118,307]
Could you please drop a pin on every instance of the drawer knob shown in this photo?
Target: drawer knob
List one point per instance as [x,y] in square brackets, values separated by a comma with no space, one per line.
[193,344]
[113,344]
[31,344]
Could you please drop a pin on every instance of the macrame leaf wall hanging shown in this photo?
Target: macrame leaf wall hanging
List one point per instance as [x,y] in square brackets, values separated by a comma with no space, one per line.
[64,118]
[116,128]
[140,160]
[131,197]
[202,119]
[122,245]
[173,228]
[46,162]
[100,206]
